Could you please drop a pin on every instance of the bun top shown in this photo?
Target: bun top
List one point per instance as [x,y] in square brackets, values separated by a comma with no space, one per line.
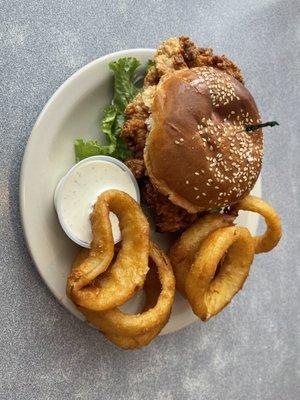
[198,152]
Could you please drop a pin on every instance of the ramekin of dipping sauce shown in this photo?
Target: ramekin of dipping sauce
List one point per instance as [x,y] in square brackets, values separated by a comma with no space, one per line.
[77,192]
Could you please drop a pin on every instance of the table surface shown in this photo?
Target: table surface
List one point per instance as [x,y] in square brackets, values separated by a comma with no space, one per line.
[247,352]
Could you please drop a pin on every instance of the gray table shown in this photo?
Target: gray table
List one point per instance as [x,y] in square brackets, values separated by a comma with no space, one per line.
[247,352]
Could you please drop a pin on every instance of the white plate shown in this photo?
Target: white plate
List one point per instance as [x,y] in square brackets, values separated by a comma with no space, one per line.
[74,111]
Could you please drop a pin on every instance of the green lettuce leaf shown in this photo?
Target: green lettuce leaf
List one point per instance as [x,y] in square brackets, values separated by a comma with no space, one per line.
[108,122]
[121,152]
[114,116]
[124,89]
[88,149]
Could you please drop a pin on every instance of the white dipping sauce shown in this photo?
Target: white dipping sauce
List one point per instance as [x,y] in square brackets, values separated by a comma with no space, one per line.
[77,192]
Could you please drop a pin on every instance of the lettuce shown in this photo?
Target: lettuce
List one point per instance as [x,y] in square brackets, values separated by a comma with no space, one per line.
[125,90]
[88,149]
[114,117]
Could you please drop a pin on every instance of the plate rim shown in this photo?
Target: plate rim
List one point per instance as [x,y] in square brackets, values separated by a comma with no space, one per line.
[26,160]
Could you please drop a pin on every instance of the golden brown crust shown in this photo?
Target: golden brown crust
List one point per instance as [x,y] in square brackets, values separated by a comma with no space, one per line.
[137,109]
[209,286]
[198,57]
[168,216]
[199,118]
[168,57]
[135,129]
[152,77]
[270,238]
[122,278]
[183,251]
[134,133]
[137,167]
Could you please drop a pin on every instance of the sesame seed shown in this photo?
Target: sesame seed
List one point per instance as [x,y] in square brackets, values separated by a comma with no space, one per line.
[197,173]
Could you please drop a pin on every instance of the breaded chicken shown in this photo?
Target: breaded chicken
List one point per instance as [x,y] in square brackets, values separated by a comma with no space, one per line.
[168,217]
[199,57]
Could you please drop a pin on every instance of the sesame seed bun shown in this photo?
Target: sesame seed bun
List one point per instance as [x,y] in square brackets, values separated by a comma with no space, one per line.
[198,152]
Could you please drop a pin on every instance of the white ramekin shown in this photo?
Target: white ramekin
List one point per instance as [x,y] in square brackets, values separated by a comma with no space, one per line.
[59,192]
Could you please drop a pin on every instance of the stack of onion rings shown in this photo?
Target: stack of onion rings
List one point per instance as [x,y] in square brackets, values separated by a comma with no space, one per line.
[100,282]
[211,260]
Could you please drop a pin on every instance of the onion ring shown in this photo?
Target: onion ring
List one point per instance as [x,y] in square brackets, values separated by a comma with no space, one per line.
[272,235]
[128,272]
[211,242]
[207,292]
[132,331]
[182,253]
[115,320]
[133,342]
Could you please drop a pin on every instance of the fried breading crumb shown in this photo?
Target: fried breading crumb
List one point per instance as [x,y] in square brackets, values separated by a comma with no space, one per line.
[137,167]
[168,216]
[198,57]
[137,108]
[168,57]
[152,77]
[134,134]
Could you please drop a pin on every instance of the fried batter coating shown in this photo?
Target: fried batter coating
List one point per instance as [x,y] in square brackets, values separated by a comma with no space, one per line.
[182,53]
[137,109]
[169,57]
[137,167]
[134,133]
[168,216]
[198,57]
[152,77]
[135,129]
